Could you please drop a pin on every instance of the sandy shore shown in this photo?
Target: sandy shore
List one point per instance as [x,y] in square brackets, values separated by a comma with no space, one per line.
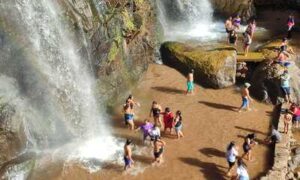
[210,123]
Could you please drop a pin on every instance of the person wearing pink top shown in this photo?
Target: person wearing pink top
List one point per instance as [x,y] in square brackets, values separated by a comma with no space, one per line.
[296,114]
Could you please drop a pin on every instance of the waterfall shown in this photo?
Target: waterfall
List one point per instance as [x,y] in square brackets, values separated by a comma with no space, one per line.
[188,19]
[48,82]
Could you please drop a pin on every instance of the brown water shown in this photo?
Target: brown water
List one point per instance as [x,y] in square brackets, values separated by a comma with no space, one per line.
[210,123]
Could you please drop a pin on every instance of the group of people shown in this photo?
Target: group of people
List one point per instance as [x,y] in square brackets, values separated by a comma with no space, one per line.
[152,129]
[232,26]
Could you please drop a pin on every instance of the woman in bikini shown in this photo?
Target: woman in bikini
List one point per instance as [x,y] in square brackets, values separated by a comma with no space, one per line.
[178,124]
[158,150]
[155,112]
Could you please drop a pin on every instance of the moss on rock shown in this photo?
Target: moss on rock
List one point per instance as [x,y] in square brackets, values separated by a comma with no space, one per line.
[215,68]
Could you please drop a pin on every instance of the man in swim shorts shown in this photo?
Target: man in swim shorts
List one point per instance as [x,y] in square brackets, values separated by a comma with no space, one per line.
[190,82]
[128,155]
[128,115]
[245,97]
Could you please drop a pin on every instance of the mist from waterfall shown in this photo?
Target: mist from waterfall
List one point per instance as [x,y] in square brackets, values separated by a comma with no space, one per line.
[48,82]
[188,19]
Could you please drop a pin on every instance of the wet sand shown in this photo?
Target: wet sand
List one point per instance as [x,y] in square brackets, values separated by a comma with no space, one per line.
[210,123]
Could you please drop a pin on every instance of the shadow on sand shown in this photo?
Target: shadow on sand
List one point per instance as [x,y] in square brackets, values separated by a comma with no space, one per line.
[168,90]
[210,170]
[219,106]
[250,130]
[211,152]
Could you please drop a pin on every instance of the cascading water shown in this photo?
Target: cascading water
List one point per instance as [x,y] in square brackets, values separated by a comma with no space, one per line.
[49,84]
[188,19]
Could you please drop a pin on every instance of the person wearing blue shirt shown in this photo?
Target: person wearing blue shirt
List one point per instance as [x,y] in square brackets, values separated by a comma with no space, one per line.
[285,85]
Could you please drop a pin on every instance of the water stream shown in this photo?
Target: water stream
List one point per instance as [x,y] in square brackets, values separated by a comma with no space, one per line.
[188,19]
[48,82]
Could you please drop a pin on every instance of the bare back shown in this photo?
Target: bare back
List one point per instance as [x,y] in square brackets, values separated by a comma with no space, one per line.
[245,92]
[127,151]
[190,77]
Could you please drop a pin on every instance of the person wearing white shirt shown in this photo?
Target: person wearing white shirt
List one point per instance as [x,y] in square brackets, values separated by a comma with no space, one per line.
[231,155]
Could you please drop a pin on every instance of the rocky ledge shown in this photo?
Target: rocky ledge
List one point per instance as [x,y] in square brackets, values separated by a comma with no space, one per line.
[214,68]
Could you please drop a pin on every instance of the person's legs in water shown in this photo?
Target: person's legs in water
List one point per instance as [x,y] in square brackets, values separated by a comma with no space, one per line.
[157,121]
[127,162]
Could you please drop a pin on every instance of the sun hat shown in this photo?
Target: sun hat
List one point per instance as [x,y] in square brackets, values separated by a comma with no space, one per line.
[247,85]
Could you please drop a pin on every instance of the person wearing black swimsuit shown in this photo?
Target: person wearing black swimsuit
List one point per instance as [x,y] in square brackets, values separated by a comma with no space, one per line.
[155,112]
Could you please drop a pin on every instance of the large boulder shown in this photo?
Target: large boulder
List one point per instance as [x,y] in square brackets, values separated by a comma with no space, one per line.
[266,77]
[213,68]
[245,8]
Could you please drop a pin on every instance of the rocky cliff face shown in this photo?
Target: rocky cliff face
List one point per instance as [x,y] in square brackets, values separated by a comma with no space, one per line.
[121,37]
[278,3]
[245,8]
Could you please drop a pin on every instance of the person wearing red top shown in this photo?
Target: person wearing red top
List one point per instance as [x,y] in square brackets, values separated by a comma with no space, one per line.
[168,119]
[296,114]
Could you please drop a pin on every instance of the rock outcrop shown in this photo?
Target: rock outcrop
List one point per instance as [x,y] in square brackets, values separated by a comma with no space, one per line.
[121,39]
[278,3]
[266,77]
[245,8]
[213,68]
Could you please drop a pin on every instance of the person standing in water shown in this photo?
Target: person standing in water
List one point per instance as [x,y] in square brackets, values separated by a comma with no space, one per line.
[242,173]
[251,28]
[228,25]
[190,82]
[178,124]
[155,111]
[146,128]
[237,22]
[168,117]
[247,43]
[128,155]
[231,155]
[128,115]
[132,102]
[232,37]
[245,97]
[158,150]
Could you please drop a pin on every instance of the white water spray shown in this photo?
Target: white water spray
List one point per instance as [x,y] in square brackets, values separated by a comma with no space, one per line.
[188,19]
[49,84]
